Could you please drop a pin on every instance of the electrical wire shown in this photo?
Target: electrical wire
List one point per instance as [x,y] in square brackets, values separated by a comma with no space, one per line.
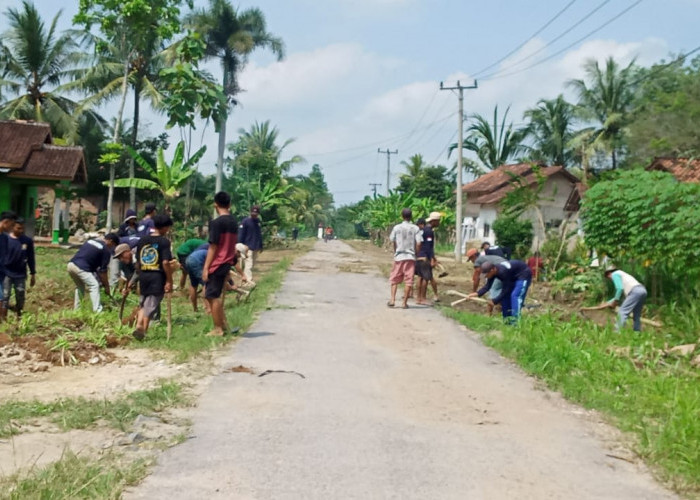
[496,75]
[548,44]
[544,27]
[420,120]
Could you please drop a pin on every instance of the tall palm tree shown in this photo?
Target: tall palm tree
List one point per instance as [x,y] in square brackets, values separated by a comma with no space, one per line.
[606,97]
[494,143]
[231,36]
[261,140]
[36,61]
[550,129]
[414,166]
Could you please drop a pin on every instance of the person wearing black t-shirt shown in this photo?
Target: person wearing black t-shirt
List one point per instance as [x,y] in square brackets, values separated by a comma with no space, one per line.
[222,251]
[90,259]
[155,264]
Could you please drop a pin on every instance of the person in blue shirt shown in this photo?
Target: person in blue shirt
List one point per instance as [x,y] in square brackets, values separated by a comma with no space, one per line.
[425,258]
[146,226]
[250,234]
[90,259]
[7,218]
[19,255]
[194,264]
[515,277]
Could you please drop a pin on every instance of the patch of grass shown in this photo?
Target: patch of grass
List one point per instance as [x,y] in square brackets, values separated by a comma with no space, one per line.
[625,376]
[189,329]
[75,477]
[80,413]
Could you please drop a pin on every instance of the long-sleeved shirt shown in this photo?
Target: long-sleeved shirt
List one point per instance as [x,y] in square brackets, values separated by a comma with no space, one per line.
[623,283]
[509,272]
[250,233]
[19,254]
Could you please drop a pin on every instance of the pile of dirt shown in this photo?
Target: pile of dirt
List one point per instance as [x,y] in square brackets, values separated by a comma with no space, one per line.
[35,352]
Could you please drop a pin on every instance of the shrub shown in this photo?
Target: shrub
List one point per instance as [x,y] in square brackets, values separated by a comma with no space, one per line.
[514,233]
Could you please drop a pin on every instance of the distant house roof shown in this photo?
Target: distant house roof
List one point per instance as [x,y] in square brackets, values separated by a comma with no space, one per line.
[26,150]
[683,169]
[494,186]
[56,163]
[18,138]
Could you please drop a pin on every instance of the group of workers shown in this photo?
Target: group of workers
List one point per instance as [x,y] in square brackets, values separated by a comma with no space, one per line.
[507,280]
[141,252]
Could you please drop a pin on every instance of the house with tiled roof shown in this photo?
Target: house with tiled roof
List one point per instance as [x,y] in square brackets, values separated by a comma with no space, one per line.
[29,160]
[559,199]
[683,169]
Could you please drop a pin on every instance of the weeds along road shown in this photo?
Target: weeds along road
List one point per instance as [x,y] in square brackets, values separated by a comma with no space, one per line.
[384,403]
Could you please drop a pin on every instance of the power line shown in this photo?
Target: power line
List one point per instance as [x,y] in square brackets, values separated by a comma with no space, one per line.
[420,120]
[662,67]
[545,26]
[556,39]
[541,61]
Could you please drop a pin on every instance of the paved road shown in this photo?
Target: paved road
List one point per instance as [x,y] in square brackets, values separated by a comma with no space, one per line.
[392,404]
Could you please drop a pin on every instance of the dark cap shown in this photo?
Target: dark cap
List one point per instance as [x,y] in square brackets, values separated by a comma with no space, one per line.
[150,207]
[130,214]
[255,209]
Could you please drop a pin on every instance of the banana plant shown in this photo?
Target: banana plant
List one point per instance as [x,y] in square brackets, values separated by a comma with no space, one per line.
[168,179]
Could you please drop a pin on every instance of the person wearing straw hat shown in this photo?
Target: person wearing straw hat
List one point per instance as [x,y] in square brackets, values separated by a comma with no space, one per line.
[635,296]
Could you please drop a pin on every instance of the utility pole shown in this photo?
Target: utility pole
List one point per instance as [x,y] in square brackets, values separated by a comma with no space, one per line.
[374,187]
[388,166]
[458,209]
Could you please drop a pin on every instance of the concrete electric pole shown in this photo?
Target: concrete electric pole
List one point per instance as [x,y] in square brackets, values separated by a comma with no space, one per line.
[374,187]
[458,193]
[388,166]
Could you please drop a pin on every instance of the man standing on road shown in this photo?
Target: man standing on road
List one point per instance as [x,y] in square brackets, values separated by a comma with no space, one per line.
[220,257]
[7,218]
[19,256]
[496,287]
[406,238]
[425,258]
[635,296]
[93,257]
[155,264]
[516,278]
[250,234]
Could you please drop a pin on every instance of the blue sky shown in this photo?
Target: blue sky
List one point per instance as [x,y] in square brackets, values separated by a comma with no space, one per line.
[364,74]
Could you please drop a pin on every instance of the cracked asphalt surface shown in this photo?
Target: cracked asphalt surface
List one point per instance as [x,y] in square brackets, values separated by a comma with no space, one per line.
[362,401]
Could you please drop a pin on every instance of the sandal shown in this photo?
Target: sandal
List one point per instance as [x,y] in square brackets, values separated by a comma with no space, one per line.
[390,304]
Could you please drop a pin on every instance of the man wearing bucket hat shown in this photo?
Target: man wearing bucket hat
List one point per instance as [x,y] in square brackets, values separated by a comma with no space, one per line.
[635,296]
[128,227]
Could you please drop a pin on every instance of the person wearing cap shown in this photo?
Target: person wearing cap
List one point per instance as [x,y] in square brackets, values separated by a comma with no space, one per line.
[125,259]
[7,219]
[635,297]
[476,259]
[19,255]
[183,251]
[250,234]
[406,239]
[155,264]
[128,227]
[146,227]
[489,249]
[93,257]
[515,277]
[425,258]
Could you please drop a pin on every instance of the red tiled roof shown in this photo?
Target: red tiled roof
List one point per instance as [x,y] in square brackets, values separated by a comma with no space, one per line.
[18,138]
[683,169]
[55,163]
[494,186]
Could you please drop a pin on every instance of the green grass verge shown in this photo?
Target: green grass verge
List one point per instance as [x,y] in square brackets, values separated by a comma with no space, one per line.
[81,413]
[626,376]
[75,477]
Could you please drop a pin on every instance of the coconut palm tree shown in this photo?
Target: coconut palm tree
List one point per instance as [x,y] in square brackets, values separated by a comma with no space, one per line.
[414,166]
[37,60]
[606,97]
[550,129]
[494,143]
[231,36]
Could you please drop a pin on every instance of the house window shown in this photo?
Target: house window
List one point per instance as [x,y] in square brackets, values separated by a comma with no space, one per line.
[487,230]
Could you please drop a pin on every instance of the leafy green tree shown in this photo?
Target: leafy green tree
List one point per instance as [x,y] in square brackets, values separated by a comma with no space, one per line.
[231,36]
[432,182]
[167,179]
[550,128]
[310,201]
[494,143]
[606,97]
[515,233]
[37,60]
[667,110]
